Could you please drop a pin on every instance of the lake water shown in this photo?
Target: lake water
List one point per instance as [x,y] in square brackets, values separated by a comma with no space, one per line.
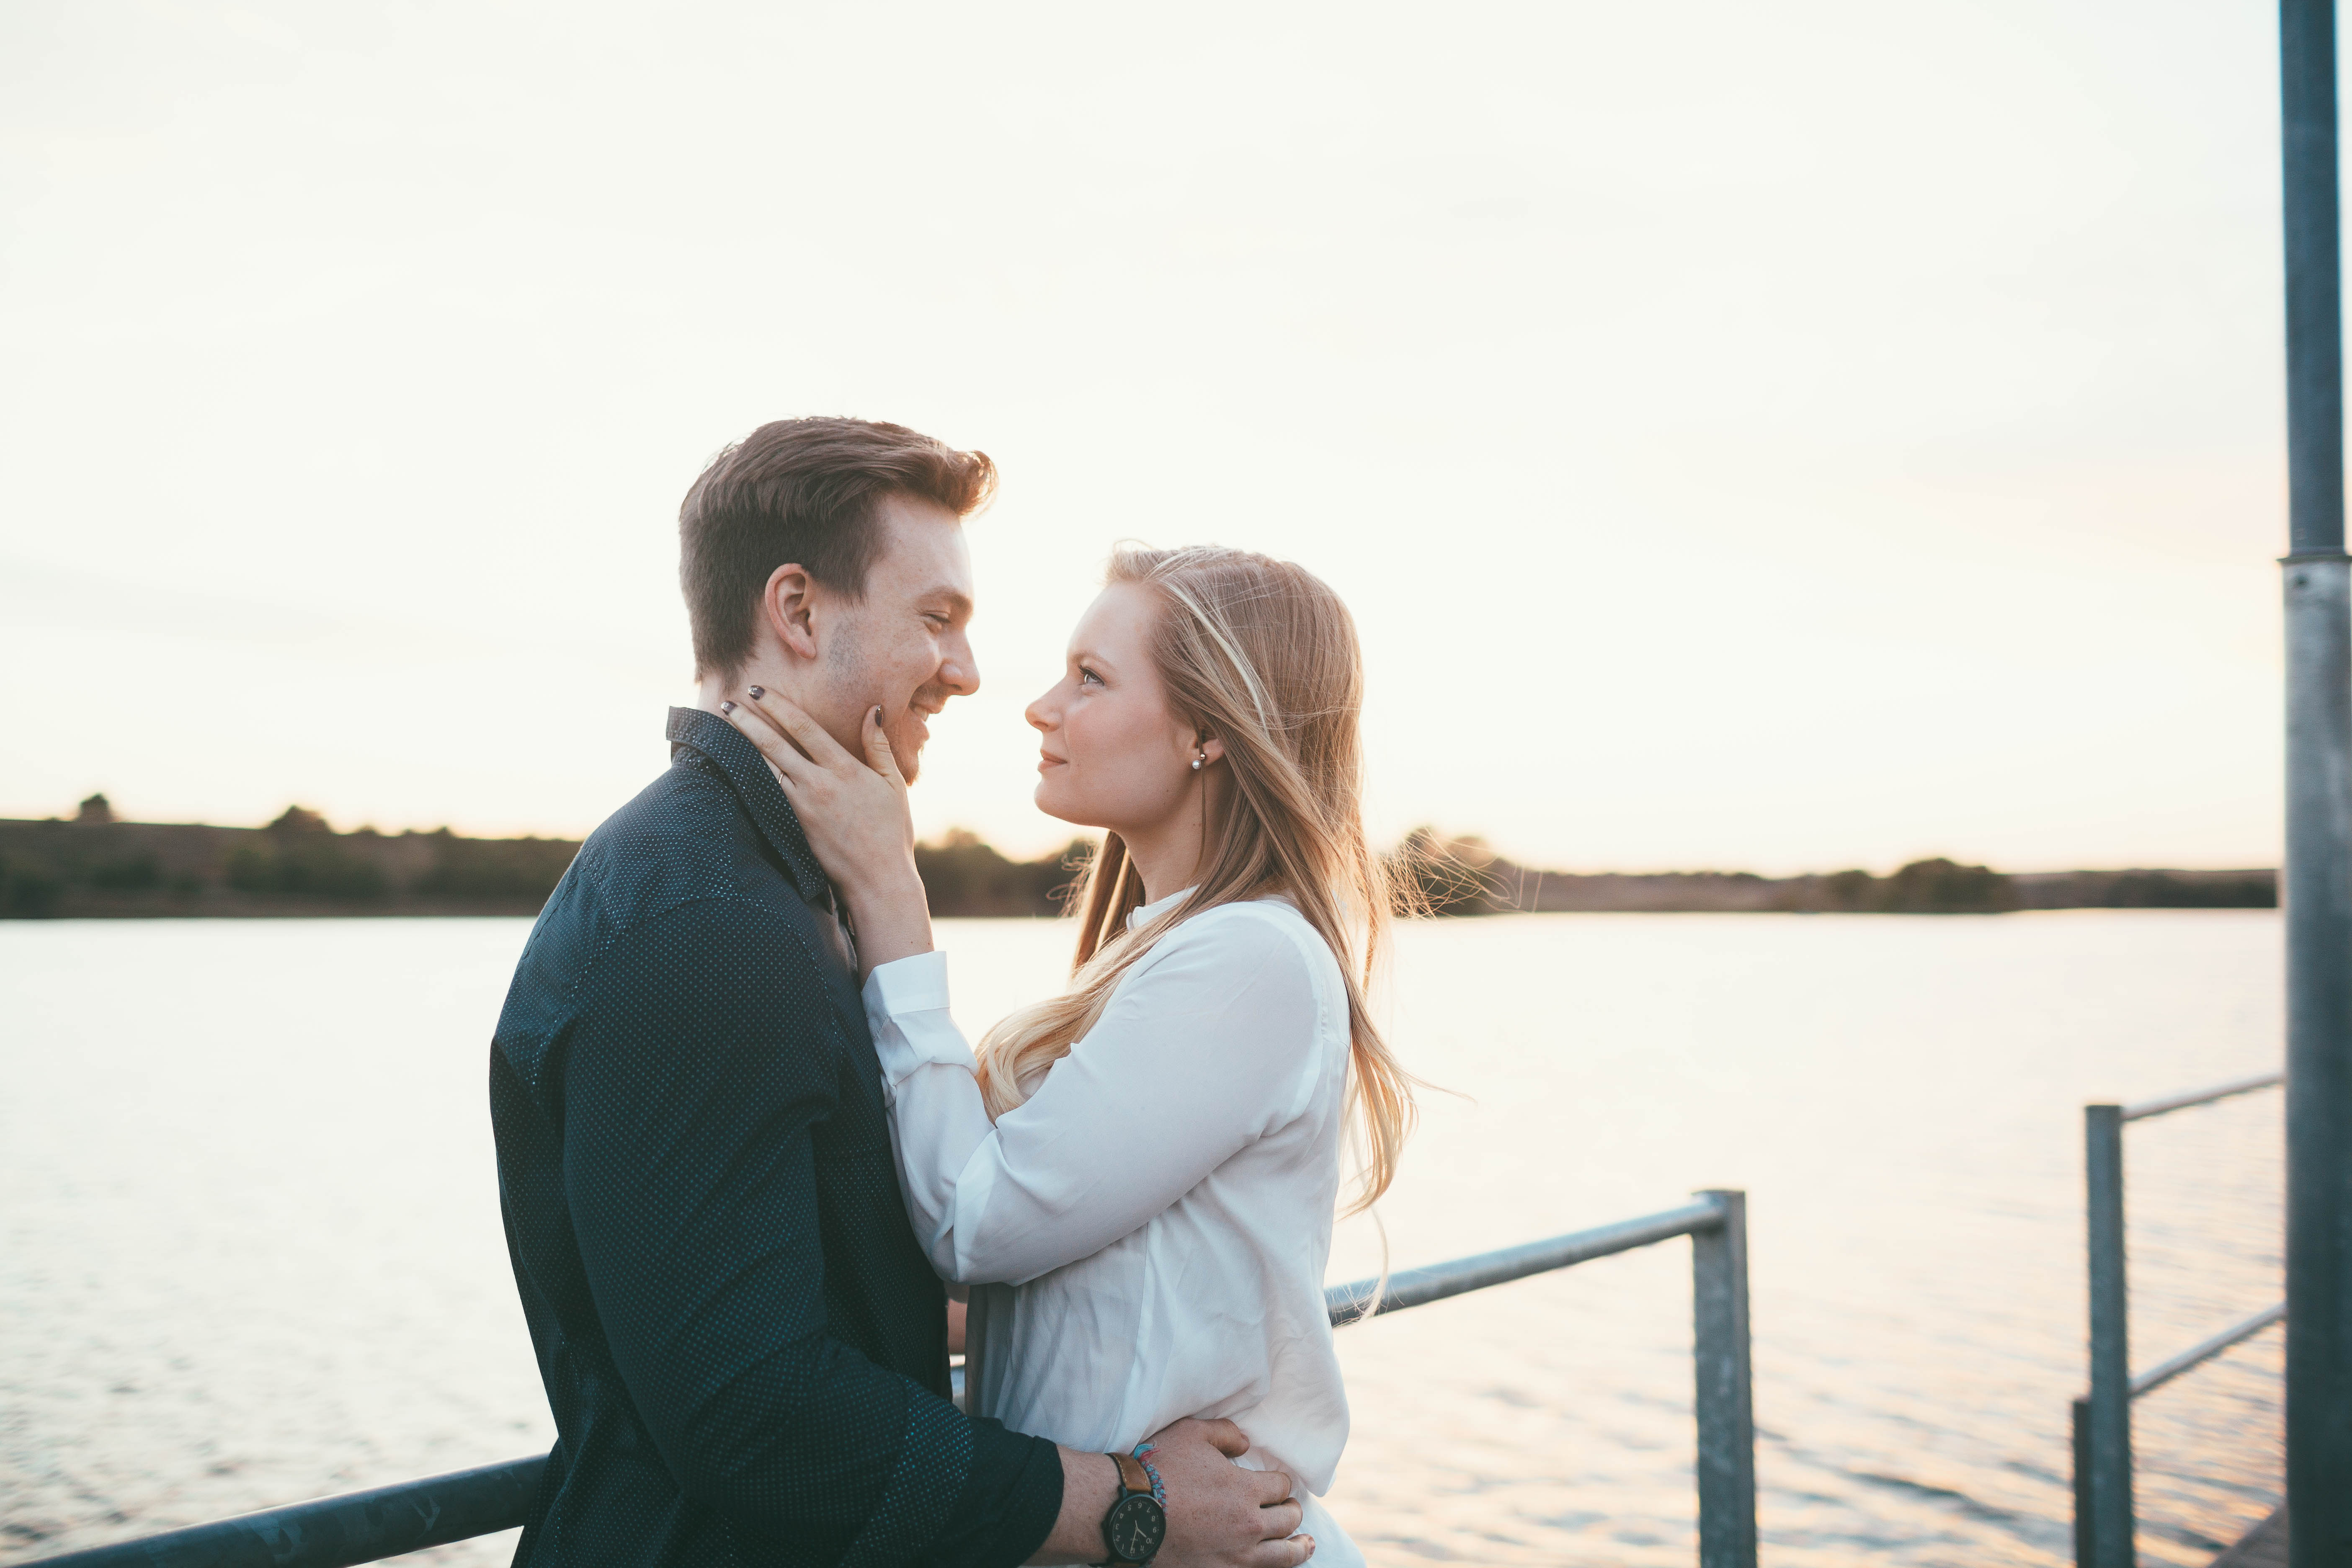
[252,1245]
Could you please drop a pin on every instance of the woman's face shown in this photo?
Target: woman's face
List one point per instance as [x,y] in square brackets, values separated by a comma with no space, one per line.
[1112,754]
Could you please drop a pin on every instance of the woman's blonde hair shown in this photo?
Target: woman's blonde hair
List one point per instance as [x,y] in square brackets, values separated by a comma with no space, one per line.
[1261,655]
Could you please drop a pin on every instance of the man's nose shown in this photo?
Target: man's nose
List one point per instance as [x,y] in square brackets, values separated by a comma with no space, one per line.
[959,672]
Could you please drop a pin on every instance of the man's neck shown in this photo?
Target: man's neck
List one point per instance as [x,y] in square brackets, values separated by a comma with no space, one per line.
[793,683]
[717,688]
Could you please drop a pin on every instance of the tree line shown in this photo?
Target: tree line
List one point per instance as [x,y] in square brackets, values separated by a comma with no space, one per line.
[96,866]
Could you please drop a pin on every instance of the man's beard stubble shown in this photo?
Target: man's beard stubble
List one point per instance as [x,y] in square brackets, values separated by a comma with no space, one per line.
[848,669]
[908,753]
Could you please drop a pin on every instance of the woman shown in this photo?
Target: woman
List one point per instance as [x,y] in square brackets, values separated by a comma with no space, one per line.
[1136,1180]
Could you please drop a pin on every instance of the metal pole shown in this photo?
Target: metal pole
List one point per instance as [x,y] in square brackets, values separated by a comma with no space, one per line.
[1726,1416]
[2086,1552]
[339,1532]
[2110,1531]
[2319,1080]
[2318,880]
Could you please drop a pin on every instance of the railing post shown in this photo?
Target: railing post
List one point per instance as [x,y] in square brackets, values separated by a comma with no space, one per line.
[2085,1553]
[2111,1531]
[2317,881]
[1726,1416]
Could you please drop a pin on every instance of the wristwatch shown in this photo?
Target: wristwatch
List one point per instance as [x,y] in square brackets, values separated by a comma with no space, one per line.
[1135,1524]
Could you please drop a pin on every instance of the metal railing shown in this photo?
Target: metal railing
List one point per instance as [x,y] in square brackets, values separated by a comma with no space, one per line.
[365,1527]
[2105,1528]
[1717,1227]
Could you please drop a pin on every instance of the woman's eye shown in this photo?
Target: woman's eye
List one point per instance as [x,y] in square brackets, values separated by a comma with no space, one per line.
[1086,674]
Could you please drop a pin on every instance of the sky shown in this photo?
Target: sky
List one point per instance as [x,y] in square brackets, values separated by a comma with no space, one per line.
[1774,437]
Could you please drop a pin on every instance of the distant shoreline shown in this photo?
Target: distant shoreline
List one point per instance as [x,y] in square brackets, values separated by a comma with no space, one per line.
[96,868]
[1464,876]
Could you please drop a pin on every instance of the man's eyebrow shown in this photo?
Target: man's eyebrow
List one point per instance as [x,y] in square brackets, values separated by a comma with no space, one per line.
[954,599]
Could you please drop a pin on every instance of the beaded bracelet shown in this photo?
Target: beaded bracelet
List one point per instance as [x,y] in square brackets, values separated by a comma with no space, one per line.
[1142,1456]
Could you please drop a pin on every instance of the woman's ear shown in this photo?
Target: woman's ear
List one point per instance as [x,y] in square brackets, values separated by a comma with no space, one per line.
[1209,747]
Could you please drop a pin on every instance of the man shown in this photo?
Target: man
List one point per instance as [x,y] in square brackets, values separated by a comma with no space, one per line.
[744,1349]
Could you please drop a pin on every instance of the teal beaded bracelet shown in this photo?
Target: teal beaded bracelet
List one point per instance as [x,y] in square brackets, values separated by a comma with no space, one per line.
[1143,1457]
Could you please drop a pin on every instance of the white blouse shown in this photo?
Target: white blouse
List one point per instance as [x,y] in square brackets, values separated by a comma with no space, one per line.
[1145,1237]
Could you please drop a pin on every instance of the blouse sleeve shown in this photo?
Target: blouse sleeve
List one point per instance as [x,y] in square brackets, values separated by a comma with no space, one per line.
[1210,1042]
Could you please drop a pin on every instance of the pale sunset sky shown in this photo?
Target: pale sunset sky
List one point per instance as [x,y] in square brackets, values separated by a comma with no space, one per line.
[1780,436]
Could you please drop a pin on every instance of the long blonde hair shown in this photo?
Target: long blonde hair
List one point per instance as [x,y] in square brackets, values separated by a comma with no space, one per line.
[1262,655]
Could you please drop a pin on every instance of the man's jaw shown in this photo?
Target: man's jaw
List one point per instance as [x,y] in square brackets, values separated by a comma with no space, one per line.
[907,737]
[912,730]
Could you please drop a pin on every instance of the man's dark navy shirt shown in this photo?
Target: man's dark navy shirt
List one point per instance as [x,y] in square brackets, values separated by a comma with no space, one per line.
[745,1350]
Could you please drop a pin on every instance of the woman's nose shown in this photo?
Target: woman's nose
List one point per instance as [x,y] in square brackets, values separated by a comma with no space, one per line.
[1037,716]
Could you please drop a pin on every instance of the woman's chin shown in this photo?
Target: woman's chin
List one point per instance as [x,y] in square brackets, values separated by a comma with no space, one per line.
[1046,797]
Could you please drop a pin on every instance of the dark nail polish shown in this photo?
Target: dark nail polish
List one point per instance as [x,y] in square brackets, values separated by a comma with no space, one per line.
[759,691]
[727,707]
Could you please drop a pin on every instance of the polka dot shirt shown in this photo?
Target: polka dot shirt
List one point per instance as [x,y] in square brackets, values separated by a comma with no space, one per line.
[743,1347]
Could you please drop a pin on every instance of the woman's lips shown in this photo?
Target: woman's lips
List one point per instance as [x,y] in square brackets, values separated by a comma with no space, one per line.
[1047,759]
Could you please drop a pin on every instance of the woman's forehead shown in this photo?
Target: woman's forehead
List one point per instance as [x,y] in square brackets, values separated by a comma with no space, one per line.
[1115,626]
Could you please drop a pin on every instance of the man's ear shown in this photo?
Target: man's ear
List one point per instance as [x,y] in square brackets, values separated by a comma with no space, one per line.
[785,605]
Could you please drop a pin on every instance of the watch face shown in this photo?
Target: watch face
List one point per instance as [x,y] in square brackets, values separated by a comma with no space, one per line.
[1135,1528]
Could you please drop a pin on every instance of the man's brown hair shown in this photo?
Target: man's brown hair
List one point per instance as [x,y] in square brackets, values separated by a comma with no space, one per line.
[807,491]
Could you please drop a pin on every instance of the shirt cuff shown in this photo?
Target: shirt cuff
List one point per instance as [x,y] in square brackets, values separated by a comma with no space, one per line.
[906,1013]
[917,984]
[1009,1502]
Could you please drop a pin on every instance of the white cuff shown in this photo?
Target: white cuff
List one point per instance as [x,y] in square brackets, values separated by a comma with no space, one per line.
[906,1013]
[917,984]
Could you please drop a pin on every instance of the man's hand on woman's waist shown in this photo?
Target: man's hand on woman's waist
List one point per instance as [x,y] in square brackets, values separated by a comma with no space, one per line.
[1219,1515]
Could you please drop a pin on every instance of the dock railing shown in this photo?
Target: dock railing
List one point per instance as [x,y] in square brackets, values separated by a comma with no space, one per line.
[2105,1528]
[366,1527]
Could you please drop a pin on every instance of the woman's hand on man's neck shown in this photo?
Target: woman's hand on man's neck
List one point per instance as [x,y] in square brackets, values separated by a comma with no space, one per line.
[768,673]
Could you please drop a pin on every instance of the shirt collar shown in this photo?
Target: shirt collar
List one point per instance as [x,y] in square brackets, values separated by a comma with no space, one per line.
[1148,912]
[739,761]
